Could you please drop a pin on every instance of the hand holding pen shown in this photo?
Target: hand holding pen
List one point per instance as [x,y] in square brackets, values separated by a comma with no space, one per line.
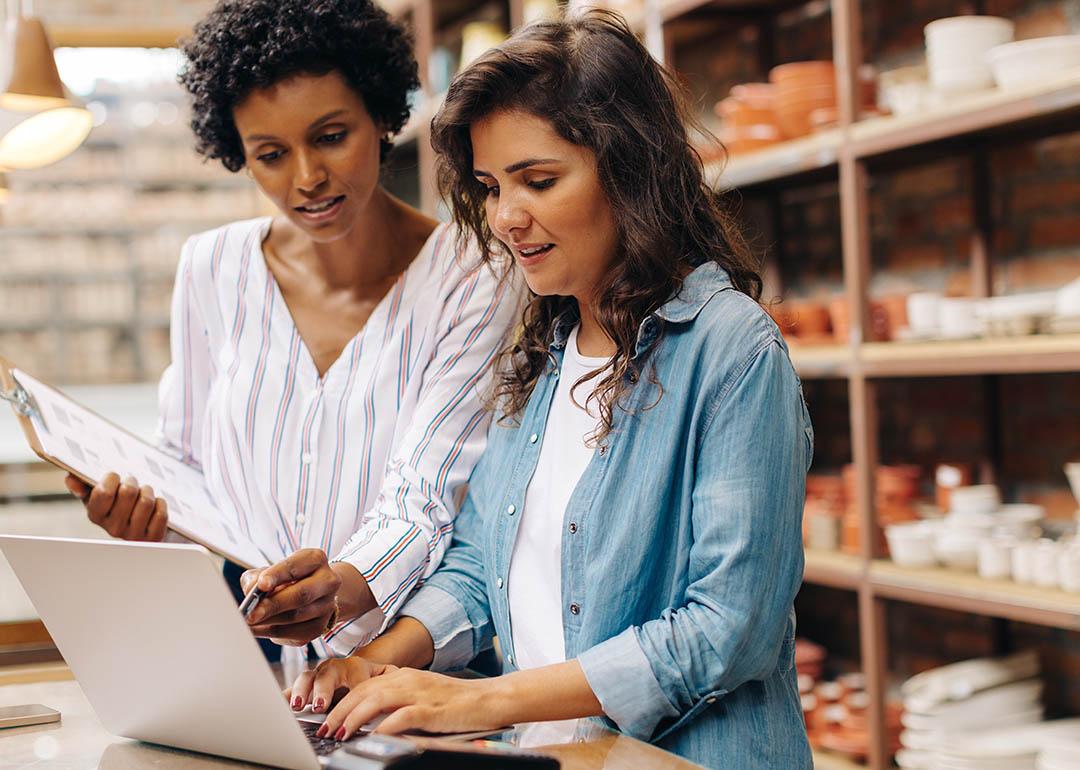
[293,601]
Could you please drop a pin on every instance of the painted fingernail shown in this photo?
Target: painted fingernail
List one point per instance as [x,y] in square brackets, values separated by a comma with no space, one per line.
[340,734]
[297,702]
[321,732]
[320,704]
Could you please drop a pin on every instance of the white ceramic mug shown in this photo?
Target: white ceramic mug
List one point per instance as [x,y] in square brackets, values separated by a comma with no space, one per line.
[1023,562]
[1047,569]
[995,558]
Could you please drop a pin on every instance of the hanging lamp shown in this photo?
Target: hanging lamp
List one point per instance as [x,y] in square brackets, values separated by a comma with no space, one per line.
[40,121]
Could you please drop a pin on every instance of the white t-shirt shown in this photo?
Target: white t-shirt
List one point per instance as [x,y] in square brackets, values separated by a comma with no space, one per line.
[535,581]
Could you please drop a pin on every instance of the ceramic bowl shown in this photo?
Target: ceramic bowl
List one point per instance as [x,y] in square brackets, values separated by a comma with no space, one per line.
[1025,62]
[911,544]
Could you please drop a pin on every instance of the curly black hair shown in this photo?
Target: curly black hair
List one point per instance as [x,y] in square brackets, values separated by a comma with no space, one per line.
[242,45]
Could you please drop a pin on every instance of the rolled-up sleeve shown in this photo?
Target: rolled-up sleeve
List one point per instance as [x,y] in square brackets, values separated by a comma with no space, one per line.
[745,565]
[406,534]
[453,605]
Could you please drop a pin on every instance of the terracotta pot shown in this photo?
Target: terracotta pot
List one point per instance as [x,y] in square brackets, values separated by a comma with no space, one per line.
[895,309]
[758,95]
[804,72]
[811,319]
[840,318]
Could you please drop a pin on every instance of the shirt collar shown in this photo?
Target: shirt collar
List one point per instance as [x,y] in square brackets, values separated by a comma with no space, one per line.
[701,285]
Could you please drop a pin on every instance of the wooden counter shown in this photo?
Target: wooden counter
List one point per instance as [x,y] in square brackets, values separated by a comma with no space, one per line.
[80,741]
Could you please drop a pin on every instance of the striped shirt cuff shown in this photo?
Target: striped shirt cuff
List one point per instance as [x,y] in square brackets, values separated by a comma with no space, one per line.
[622,679]
[344,638]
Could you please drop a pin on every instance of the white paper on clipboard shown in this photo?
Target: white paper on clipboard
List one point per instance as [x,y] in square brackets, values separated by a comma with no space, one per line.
[92,446]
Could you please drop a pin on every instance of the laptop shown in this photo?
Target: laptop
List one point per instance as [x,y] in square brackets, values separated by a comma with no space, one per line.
[153,636]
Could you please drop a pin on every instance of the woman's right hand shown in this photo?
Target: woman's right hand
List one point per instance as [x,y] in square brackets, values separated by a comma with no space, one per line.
[330,681]
[124,510]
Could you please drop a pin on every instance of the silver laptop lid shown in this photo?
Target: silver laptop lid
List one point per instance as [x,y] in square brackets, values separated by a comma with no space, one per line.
[154,638]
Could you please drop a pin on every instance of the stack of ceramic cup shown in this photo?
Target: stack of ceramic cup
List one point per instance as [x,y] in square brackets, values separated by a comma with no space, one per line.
[956,51]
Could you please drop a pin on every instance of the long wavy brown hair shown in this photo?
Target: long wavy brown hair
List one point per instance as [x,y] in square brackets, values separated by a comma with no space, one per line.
[597,85]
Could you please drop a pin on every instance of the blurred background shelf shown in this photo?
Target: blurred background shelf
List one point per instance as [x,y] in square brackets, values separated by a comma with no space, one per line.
[826,761]
[834,569]
[951,589]
[821,361]
[1050,103]
[1005,355]
[780,162]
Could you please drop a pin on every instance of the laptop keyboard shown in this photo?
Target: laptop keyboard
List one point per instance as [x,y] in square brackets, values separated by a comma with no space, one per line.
[325,746]
[322,746]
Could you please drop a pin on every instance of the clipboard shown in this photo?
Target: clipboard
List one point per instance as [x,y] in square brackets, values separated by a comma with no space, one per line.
[76,439]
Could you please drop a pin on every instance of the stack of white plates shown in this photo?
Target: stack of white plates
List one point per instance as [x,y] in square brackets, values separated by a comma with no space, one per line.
[1015,748]
[944,708]
[1061,751]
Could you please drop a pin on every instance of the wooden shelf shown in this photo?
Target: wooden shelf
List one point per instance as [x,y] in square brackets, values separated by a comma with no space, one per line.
[966,592]
[985,111]
[670,10]
[821,361]
[114,36]
[1004,355]
[823,760]
[833,569]
[781,161]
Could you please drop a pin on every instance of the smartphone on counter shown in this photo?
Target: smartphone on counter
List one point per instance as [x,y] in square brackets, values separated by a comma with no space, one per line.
[24,716]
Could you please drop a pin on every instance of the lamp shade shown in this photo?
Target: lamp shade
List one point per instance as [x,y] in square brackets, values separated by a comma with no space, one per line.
[35,139]
[40,122]
[33,82]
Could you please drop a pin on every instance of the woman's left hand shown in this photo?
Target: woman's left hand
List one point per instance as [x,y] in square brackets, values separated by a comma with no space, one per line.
[301,598]
[418,700]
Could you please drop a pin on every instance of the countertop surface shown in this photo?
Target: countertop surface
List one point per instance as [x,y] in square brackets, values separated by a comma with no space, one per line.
[79,742]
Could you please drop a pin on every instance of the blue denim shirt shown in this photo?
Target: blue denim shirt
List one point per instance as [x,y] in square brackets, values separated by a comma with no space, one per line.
[681,550]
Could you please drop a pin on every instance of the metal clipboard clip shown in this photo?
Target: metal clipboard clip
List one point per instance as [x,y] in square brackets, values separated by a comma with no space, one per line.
[22,402]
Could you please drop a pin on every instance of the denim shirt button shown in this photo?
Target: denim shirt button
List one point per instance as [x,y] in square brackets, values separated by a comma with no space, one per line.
[575,609]
[573,528]
[534,438]
[511,510]
[499,583]
[711,700]
[603,451]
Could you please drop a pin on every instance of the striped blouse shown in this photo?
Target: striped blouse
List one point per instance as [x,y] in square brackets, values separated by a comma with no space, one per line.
[367,462]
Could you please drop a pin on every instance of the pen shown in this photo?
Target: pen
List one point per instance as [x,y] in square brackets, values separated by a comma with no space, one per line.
[251,601]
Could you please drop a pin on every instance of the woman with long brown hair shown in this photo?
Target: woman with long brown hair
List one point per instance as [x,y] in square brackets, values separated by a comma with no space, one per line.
[632,533]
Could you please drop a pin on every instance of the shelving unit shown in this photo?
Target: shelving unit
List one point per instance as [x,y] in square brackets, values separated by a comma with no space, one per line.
[91,243]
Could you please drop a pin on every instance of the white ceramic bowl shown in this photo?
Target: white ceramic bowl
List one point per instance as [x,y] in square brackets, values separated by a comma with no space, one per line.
[981,498]
[911,544]
[958,549]
[1028,62]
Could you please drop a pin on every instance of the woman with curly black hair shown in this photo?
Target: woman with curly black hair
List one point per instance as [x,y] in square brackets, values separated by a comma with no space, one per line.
[329,362]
